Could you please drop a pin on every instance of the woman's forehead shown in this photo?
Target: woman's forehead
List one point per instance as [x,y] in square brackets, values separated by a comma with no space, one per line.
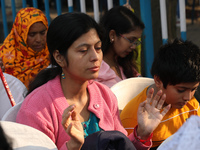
[89,38]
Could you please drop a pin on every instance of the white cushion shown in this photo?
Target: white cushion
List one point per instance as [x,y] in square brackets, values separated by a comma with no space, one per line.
[24,137]
[127,89]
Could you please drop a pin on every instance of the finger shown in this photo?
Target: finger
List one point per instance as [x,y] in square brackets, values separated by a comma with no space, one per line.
[72,132]
[68,109]
[165,110]
[161,102]
[150,95]
[141,106]
[69,129]
[74,116]
[156,98]
[66,120]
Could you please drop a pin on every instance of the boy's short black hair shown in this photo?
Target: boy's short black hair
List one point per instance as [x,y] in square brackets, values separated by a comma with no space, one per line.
[177,62]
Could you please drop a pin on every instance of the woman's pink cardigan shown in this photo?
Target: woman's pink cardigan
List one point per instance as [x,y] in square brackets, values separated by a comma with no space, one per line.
[43,108]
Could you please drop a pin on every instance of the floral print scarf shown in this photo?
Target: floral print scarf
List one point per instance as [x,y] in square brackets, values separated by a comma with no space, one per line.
[18,58]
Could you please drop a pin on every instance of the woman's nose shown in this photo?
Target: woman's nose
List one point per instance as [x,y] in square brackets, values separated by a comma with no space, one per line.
[93,55]
[38,38]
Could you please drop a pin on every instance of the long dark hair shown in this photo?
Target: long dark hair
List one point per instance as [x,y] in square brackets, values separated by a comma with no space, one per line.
[122,20]
[62,32]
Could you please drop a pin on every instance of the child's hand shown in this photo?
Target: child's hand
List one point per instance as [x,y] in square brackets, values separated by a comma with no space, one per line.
[150,113]
[73,127]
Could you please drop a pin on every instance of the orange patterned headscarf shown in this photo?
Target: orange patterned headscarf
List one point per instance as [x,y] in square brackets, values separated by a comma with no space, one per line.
[18,58]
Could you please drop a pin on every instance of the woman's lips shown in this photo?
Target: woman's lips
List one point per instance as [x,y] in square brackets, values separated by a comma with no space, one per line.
[94,69]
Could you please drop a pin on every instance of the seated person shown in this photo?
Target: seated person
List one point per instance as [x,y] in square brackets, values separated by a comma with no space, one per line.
[122,30]
[176,71]
[64,101]
[24,51]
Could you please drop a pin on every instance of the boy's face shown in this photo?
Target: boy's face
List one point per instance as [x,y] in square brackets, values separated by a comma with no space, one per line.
[178,95]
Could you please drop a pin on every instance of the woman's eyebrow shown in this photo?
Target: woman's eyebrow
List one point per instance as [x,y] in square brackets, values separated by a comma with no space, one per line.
[85,44]
[37,31]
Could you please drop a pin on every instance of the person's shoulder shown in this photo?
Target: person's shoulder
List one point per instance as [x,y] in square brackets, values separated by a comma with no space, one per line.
[47,87]
[38,92]
[105,72]
[193,103]
[38,99]
[42,97]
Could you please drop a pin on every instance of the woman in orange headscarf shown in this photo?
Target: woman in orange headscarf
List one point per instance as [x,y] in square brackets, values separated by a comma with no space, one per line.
[24,51]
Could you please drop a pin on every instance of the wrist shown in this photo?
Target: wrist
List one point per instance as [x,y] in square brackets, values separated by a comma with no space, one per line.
[145,139]
[141,132]
[71,145]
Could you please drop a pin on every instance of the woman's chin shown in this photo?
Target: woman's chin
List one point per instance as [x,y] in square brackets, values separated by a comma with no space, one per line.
[94,76]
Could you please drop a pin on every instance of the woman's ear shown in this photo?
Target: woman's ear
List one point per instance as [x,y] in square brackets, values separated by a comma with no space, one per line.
[158,82]
[59,58]
[112,35]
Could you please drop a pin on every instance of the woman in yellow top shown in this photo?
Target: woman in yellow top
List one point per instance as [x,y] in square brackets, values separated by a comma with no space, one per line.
[24,51]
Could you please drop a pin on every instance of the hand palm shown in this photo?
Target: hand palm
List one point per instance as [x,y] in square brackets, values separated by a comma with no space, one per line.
[149,114]
[150,118]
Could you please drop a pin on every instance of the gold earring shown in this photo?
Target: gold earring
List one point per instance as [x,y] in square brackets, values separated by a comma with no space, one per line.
[63,75]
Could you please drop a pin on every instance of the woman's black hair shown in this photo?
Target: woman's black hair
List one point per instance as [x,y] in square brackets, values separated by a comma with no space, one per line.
[121,20]
[62,32]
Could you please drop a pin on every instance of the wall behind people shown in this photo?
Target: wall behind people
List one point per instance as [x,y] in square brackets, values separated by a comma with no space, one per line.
[171,18]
